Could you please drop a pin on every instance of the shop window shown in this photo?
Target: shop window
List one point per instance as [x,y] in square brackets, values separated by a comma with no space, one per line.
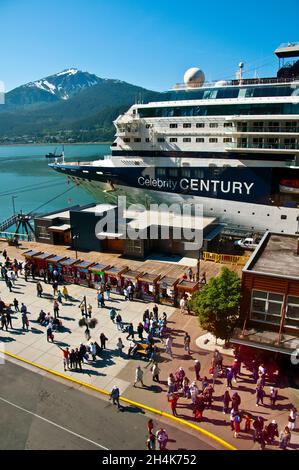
[292,312]
[266,306]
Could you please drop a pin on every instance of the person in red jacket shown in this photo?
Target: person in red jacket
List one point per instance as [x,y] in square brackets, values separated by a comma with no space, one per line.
[173,400]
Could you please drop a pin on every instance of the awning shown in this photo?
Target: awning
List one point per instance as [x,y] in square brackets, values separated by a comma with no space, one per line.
[59,228]
[150,278]
[265,339]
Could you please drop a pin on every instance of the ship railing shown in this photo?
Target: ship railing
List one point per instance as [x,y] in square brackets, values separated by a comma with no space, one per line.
[20,236]
[263,146]
[235,82]
[265,129]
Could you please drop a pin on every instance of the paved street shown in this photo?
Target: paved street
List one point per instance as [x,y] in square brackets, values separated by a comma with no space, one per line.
[40,413]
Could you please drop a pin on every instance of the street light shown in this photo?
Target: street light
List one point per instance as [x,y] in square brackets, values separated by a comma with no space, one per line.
[13,203]
[75,237]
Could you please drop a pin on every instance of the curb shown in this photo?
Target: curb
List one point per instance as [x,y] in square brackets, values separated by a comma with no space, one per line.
[126,400]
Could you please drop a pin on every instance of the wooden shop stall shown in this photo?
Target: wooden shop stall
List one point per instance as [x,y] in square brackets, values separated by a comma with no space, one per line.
[40,263]
[167,288]
[54,263]
[83,275]
[113,276]
[97,275]
[29,254]
[68,271]
[187,288]
[148,286]
[132,277]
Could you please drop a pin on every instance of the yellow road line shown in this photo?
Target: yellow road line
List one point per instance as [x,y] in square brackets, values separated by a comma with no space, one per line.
[126,400]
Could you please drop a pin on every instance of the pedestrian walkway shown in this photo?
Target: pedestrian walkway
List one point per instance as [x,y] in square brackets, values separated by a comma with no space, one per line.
[112,369]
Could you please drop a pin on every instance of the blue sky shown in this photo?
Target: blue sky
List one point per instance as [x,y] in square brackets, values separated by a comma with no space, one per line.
[148,43]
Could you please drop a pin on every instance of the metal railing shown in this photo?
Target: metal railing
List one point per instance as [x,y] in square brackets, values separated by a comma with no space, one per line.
[263,145]
[265,129]
[19,236]
[224,258]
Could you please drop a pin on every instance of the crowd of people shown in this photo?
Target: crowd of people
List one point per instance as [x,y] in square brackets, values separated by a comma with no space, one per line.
[148,339]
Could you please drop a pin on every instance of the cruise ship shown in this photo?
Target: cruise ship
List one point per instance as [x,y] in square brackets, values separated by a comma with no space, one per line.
[232,146]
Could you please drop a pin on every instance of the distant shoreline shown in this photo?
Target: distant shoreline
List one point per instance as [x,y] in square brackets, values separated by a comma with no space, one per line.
[57,145]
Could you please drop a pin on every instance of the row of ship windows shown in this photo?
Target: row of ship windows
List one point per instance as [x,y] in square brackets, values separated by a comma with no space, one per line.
[188,125]
[185,139]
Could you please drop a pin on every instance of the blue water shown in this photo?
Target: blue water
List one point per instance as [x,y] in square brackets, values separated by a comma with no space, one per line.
[24,173]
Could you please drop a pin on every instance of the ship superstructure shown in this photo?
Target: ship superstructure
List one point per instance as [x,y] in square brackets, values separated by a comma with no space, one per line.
[232,146]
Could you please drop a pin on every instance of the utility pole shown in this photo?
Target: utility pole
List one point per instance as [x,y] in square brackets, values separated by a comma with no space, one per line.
[75,238]
[13,204]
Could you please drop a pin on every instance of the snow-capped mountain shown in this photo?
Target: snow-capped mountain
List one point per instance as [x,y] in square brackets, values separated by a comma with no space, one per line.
[60,86]
[66,83]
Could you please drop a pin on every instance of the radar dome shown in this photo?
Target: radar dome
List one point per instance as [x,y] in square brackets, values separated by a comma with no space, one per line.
[221,83]
[194,77]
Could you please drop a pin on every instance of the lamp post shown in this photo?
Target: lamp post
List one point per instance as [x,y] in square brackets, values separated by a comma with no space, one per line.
[13,203]
[75,237]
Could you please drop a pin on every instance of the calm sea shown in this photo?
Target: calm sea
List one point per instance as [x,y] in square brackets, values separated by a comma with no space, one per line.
[24,173]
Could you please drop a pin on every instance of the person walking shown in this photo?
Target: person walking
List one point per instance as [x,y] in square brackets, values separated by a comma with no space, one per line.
[9,284]
[78,359]
[56,309]
[187,341]
[103,340]
[101,301]
[151,442]
[259,393]
[215,374]
[108,291]
[59,296]
[112,314]
[3,322]
[66,358]
[173,400]
[229,377]
[155,372]
[292,418]
[140,331]
[39,289]
[226,401]
[65,293]
[114,396]
[72,359]
[168,346]
[273,396]
[162,438]
[8,320]
[119,346]
[130,331]
[138,376]
[16,304]
[237,422]
[25,321]
[197,367]
[89,310]
[55,287]
[119,322]
[285,438]
[236,402]
[93,351]
[50,335]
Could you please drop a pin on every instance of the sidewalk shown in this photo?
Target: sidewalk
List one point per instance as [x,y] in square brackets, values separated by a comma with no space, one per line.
[114,370]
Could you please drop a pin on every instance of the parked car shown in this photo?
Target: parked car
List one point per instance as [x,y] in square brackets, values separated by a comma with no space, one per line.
[247,243]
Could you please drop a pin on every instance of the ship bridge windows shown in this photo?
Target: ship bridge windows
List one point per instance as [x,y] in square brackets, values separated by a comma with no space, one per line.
[127,139]
[213,124]
[220,110]
[186,139]
[173,139]
[187,125]
[291,126]
[227,140]
[161,139]
[173,126]
[200,124]
[200,140]
[228,124]
[213,140]
[137,139]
